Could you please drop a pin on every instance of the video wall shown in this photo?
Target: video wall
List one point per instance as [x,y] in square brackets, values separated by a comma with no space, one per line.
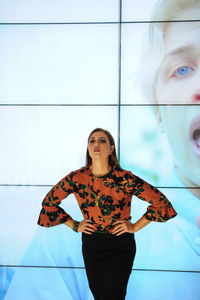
[67,67]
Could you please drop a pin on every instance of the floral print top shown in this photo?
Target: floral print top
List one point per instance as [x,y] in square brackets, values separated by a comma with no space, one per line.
[103,200]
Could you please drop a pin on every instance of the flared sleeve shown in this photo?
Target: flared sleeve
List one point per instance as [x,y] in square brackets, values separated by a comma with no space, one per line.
[160,208]
[51,213]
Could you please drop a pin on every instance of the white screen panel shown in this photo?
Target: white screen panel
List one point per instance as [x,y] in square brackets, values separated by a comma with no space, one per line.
[132,10]
[161,143]
[134,38]
[50,284]
[178,238]
[40,145]
[59,11]
[155,284]
[59,64]
[164,75]
[158,10]
[144,148]
[19,230]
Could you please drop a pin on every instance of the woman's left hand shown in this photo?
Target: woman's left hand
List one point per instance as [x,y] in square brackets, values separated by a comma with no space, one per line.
[122,227]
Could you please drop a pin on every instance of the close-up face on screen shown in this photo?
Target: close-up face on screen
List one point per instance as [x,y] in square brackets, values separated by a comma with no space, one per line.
[68,67]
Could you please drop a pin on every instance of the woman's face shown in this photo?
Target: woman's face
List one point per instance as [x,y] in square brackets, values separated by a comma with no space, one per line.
[178,82]
[99,146]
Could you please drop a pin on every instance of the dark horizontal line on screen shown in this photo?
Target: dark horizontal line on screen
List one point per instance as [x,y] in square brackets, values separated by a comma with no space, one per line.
[50,185]
[82,268]
[106,104]
[98,23]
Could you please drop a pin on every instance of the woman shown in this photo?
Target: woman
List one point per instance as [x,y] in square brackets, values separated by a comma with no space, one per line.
[104,191]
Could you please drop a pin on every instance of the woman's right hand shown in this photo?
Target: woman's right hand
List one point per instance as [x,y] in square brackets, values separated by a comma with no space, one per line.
[86,226]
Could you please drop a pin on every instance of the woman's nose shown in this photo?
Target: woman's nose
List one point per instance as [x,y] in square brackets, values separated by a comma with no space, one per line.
[96,143]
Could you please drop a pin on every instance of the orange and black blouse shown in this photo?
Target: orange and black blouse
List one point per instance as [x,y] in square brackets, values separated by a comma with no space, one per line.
[105,199]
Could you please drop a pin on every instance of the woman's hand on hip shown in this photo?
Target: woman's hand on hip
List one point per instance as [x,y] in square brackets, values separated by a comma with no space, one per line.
[123,226]
[86,226]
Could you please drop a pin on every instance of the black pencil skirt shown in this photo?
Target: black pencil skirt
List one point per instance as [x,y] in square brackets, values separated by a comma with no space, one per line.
[108,262]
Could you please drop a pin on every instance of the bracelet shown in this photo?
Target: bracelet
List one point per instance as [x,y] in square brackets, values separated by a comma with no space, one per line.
[75,226]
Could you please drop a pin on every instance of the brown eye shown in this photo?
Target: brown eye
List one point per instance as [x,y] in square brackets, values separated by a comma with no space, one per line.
[91,141]
[102,140]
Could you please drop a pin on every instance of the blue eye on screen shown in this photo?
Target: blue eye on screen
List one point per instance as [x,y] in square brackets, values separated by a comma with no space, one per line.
[183,71]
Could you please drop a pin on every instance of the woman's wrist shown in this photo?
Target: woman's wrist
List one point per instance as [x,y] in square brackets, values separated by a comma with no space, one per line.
[142,222]
[75,226]
[133,228]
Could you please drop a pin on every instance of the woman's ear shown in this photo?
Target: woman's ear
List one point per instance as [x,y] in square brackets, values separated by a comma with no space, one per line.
[112,147]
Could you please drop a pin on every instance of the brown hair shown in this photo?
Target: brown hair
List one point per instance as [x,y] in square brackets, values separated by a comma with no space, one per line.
[112,160]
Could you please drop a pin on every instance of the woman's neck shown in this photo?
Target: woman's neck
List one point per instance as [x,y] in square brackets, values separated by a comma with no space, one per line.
[99,168]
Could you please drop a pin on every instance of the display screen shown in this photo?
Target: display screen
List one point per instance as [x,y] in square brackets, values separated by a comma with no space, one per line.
[67,67]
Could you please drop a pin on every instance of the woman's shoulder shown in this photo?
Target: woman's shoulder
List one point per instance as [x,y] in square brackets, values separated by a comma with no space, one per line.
[76,175]
[82,170]
[122,172]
